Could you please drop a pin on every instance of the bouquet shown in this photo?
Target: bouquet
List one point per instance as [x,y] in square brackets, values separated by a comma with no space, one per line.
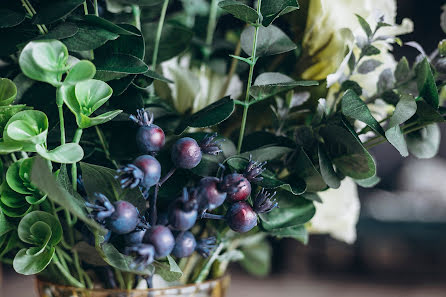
[151,143]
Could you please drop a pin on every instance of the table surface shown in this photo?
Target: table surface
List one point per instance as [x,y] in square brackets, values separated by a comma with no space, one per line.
[285,285]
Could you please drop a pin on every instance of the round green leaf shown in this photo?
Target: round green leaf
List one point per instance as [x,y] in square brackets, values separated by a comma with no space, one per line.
[6,112]
[82,70]
[8,91]
[86,122]
[92,94]
[68,153]
[11,18]
[14,180]
[37,235]
[28,126]
[11,198]
[270,41]
[29,264]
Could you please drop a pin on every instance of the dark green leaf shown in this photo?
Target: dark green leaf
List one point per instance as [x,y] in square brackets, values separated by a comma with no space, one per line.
[174,40]
[424,143]
[269,84]
[347,152]
[8,91]
[428,114]
[156,76]
[270,41]
[109,26]
[402,70]
[42,178]
[165,271]
[354,107]
[98,179]
[365,26]
[116,66]
[292,211]
[370,50]
[426,83]
[350,84]
[88,37]
[240,10]
[294,185]
[11,18]
[61,31]
[51,11]
[209,116]
[306,170]
[328,173]
[5,225]
[272,9]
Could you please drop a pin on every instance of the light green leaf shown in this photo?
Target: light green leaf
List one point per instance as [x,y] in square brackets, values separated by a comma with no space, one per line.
[82,70]
[32,231]
[365,26]
[67,153]
[86,122]
[270,41]
[257,258]
[298,232]
[27,263]
[8,91]
[368,182]
[424,143]
[28,126]
[123,262]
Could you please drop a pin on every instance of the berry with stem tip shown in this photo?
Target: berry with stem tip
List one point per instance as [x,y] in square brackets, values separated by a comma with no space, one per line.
[145,171]
[237,186]
[162,240]
[240,217]
[209,195]
[186,153]
[205,246]
[183,212]
[211,146]
[264,202]
[253,170]
[150,138]
[186,244]
[145,254]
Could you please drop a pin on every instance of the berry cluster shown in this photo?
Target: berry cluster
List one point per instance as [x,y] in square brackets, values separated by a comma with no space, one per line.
[151,237]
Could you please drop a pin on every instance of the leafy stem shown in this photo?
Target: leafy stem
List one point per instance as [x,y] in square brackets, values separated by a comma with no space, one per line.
[158,33]
[66,273]
[248,87]
[76,139]
[31,11]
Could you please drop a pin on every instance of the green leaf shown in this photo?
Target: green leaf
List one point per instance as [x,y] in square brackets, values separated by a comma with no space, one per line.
[165,271]
[44,60]
[109,26]
[298,232]
[272,9]
[174,40]
[157,76]
[61,31]
[28,263]
[82,70]
[270,41]
[269,84]
[5,225]
[354,107]
[257,258]
[209,116]
[43,179]
[67,153]
[426,83]
[240,10]
[51,11]
[402,70]
[295,185]
[306,170]
[123,262]
[8,91]
[118,65]
[424,143]
[28,126]
[364,25]
[347,152]
[404,110]
[368,182]
[88,37]
[87,122]
[6,112]
[36,226]
[368,66]
[11,17]
[370,50]
[328,173]
[292,211]
[427,114]
[15,182]
[442,47]
[98,179]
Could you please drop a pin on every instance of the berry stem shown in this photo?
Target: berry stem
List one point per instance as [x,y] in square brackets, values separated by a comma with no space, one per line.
[248,87]
[212,216]
[212,22]
[158,33]
[207,267]
[153,213]
[105,146]
[167,176]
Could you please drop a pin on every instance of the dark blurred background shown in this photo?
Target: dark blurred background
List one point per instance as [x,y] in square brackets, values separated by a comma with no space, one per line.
[401,232]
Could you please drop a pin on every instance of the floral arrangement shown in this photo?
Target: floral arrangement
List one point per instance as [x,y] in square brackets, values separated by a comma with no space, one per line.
[170,138]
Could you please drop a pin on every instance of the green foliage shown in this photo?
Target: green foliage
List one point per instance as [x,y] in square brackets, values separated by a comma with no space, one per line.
[424,143]
[50,11]
[365,26]
[270,41]
[426,83]
[8,91]
[240,10]
[272,9]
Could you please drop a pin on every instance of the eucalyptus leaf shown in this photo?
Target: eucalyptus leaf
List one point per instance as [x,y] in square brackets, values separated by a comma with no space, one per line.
[306,170]
[43,179]
[368,66]
[123,262]
[272,9]
[424,143]
[426,83]
[328,173]
[370,50]
[298,232]
[270,41]
[269,84]
[8,91]
[365,26]
[209,116]
[67,153]
[354,107]
[51,11]
[240,10]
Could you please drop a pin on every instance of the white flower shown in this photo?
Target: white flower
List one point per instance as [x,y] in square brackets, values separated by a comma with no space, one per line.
[195,88]
[339,212]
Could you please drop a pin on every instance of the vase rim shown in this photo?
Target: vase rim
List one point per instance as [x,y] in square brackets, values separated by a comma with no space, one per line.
[225,277]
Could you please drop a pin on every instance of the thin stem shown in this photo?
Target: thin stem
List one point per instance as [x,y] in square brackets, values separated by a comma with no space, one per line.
[76,139]
[85,8]
[136,16]
[62,124]
[167,176]
[105,146]
[205,271]
[212,216]
[119,278]
[31,12]
[13,157]
[212,22]
[96,8]
[248,87]
[153,212]
[67,274]
[158,33]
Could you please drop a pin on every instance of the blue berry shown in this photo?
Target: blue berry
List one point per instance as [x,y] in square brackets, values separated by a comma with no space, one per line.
[145,171]
[240,217]
[186,153]
[162,240]
[149,138]
[183,212]
[209,194]
[134,238]
[185,245]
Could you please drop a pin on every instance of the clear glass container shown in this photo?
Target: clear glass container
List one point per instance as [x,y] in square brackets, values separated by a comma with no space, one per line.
[212,288]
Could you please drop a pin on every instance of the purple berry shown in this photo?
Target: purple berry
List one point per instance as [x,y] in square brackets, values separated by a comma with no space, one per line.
[186,153]
[183,212]
[145,172]
[134,238]
[240,217]
[162,240]
[149,138]
[124,219]
[185,245]
[209,195]
[240,183]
